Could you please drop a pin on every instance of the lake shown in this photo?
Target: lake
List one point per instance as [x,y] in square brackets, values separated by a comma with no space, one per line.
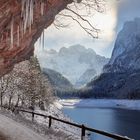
[120,121]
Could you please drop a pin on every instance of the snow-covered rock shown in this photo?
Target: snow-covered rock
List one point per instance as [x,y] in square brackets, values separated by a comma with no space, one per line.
[72,62]
[121,76]
[102,103]
[126,51]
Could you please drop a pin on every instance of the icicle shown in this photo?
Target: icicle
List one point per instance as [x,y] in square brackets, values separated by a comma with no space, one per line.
[21,28]
[27,11]
[40,40]
[22,7]
[12,34]
[32,11]
[26,15]
[30,14]
[43,39]
[42,8]
[18,35]
[24,20]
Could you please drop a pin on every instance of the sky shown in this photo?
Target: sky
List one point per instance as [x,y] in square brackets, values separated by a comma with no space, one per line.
[110,23]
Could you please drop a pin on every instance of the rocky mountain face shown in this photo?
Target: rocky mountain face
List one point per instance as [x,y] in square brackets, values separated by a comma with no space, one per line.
[121,77]
[21,24]
[126,53]
[74,63]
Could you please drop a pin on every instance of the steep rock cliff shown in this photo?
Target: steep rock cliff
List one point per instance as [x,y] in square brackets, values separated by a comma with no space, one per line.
[126,53]
[21,24]
[121,77]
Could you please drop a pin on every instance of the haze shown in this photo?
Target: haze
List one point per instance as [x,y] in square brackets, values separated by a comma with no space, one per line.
[110,23]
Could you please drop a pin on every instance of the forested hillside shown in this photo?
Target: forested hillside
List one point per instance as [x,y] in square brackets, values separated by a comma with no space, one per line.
[26,86]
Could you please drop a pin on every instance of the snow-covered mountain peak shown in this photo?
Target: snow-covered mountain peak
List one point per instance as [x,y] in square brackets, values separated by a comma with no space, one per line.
[73,62]
[121,77]
[127,39]
[52,51]
[73,50]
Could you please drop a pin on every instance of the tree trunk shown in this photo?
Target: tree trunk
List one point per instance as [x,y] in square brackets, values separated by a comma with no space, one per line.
[10,99]
[17,102]
[22,102]
[1,100]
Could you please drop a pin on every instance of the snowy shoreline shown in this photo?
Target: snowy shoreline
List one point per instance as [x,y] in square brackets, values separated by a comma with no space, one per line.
[101,103]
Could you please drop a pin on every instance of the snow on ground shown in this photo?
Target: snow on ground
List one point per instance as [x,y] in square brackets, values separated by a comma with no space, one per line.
[58,130]
[102,103]
[15,131]
[20,127]
[55,111]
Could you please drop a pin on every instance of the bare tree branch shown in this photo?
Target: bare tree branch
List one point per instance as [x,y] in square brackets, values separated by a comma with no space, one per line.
[79,11]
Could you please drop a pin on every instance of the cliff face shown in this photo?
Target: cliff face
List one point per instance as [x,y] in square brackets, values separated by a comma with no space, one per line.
[126,53]
[21,24]
[121,77]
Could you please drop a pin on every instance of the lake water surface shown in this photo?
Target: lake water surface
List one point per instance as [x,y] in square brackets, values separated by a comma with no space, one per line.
[119,121]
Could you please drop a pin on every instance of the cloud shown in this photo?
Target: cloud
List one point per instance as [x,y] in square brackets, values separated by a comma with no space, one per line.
[75,35]
[109,22]
[127,10]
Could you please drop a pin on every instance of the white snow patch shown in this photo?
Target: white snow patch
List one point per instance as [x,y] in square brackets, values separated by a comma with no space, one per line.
[55,111]
[57,104]
[103,103]
[15,131]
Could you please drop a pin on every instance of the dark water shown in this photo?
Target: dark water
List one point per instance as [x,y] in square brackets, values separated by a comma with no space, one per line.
[123,122]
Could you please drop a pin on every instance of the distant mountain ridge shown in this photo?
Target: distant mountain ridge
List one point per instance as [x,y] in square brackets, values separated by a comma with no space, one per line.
[73,62]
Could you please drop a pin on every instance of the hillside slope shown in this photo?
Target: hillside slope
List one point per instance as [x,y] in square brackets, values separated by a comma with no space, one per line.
[56,79]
